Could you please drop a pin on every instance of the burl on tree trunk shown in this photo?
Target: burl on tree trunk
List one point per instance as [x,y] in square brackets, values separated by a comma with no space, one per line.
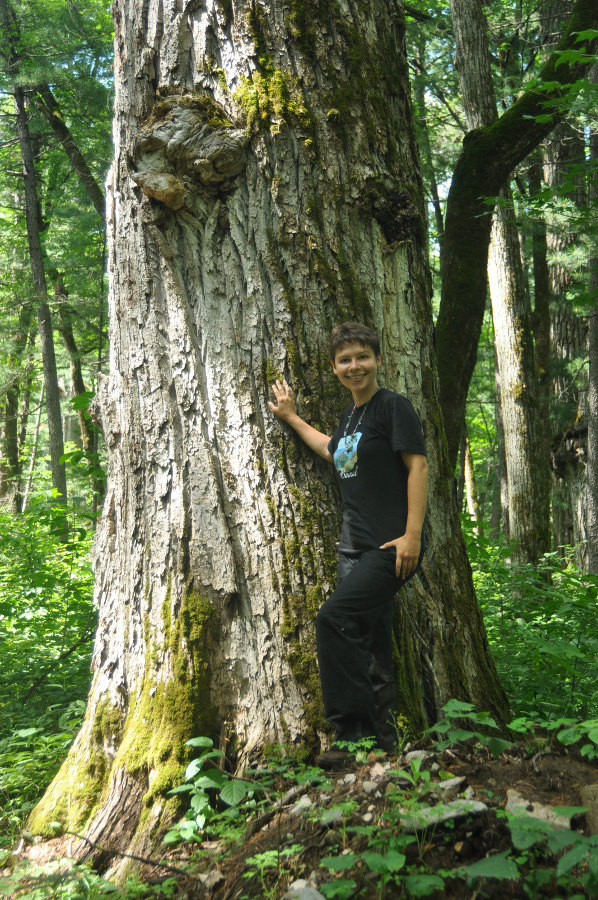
[265,186]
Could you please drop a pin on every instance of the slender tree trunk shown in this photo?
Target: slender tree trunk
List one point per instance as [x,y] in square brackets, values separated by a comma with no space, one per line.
[500,510]
[65,326]
[490,153]
[262,190]
[541,318]
[526,453]
[471,490]
[33,456]
[592,460]
[11,457]
[49,106]
[34,229]
[43,310]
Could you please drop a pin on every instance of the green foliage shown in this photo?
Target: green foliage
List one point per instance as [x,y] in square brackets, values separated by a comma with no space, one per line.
[45,599]
[359,749]
[46,626]
[207,784]
[65,880]
[541,625]
[270,860]
[29,757]
[457,724]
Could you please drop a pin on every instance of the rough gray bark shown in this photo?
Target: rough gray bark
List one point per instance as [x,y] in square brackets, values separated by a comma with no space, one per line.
[265,186]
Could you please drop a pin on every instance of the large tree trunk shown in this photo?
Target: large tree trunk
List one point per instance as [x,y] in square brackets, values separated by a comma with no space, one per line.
[280,157]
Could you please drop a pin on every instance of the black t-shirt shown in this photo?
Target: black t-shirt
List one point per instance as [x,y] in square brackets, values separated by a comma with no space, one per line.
[371,472]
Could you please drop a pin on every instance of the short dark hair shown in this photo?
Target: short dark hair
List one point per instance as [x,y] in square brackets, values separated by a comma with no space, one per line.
[352,333]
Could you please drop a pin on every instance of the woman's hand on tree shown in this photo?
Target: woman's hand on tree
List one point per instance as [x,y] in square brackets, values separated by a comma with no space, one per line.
[285,406]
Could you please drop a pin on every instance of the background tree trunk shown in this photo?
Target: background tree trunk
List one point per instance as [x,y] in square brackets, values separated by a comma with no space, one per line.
[489,155]
[526,452]
[265,186]
[44,318]
[592,461]
[49,106]
[10,447]
[34,230]
[528,475]
[471,490]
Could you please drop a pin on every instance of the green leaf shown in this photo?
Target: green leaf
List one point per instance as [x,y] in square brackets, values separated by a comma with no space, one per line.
[561,838]
[527,831]
[572,858]
[457,707]
[569,810]
[569,736]
[235,791]
[572,56]
[500,866]
[27,732]
[588,35]
[199,742]
[460,734]
[212,779]
[342,888]
[82,401]
[392,862]
[422,885]
[181,789]
[498,746]
[338,863]
[593,861]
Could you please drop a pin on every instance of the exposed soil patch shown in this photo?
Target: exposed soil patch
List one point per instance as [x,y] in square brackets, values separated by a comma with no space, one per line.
[356,812]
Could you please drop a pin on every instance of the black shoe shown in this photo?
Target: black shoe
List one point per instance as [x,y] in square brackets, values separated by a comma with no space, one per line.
[333,759]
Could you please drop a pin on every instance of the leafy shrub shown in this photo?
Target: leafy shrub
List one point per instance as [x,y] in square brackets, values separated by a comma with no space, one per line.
[47,621]
[542,628]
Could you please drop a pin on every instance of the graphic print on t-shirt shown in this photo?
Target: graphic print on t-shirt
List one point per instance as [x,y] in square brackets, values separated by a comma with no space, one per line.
[345,455]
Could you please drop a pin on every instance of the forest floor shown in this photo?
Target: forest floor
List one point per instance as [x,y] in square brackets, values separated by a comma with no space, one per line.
[376,828]
[451,823]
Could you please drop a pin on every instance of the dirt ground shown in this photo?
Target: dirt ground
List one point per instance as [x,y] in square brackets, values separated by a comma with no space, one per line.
[550,779]
[364,807]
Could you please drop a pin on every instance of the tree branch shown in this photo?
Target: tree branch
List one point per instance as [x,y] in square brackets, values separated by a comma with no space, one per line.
[48,105]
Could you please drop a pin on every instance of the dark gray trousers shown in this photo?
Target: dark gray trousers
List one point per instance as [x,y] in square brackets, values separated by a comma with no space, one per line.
[355,648]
